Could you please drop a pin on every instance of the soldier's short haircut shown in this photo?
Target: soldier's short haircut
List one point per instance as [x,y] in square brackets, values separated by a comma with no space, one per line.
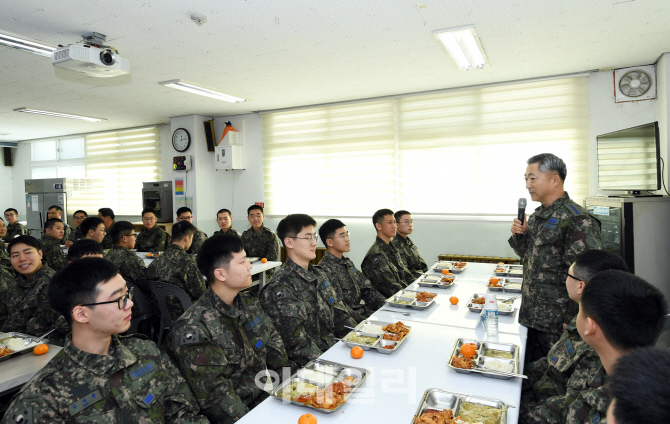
[148,210]
[399,214]
[252,207]
[11,210]
[58,208]
[378,217]
[120,229]
[106,212]
[182,229]
[550,162]
[327,229]
[51,222]
[629,310]
[293,224]
[83,247]
[592,261]
[91,223]
[81,211]
[639,384]
[77,284]
[27,240]
[182,210]
[226,211]
[216,252]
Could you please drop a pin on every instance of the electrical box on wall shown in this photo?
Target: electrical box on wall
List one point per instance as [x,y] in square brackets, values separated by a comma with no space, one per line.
[181,163]
[229,157]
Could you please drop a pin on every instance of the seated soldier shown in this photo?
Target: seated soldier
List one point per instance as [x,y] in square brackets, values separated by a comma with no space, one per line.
[177,267]
[383,264]
[100,376]
[52,253]
[640,387]
[350,283]
[5,263]
[230,328]
[107,215]
[225,221]
[152,238]
[304,306]
[548,377]
[131,266]
[56,211]
[93,229]
[406,247]
[260,241]
[199,237]
[26,304]
[13,227]
[78,217]
[84,248]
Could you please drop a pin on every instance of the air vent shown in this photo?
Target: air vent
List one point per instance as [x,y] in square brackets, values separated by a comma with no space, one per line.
[61,54]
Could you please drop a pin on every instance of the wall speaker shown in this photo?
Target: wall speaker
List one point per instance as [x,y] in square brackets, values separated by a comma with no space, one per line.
[209,135]
[7,153]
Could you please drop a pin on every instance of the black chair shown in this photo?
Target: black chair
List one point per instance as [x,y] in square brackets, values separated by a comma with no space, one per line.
[144,308]
[161,291]
[663,339]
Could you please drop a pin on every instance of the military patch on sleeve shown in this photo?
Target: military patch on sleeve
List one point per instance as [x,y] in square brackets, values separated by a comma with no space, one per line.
[84,402]
[190,336]
[280,294]
[23,417]
[376,260]
[553,359]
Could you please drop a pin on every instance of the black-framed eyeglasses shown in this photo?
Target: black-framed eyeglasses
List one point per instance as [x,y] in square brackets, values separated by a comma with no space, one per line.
[313,238]
[571,276]
[122,301]
[185,218]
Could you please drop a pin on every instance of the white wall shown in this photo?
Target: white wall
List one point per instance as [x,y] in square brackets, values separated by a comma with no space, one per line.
[20,173]
[7,185]
[663,113]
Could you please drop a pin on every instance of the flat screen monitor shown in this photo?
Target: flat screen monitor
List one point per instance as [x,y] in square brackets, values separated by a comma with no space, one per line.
[628,160]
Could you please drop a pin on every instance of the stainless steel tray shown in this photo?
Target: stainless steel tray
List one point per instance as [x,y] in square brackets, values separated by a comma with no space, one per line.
[425,282]
[508,271]
[413,303]
[4,336]
[338,372]
[475,307]
[437,400]
[448,265]
[507,288]
[379,344]
[481,359]
[488,286]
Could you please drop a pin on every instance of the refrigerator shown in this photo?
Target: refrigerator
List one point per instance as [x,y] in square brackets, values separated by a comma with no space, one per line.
[40,195]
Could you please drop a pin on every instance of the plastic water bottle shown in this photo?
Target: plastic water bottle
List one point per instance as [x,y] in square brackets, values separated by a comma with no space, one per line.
[491,313]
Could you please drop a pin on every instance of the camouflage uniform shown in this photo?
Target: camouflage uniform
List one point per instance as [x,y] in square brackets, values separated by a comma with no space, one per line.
[231,232]
[263,243]
[177,267]
[220,348]
[154,240]
[386,269]
[28,309]
[199,238]
[555,235]
[351,285]
[66,234]
[306,310]
[410,253]
[108,243]
[14,230]
[133,384]
[6,279]
[76,235]
[5,261]
[52,253]
[131,266]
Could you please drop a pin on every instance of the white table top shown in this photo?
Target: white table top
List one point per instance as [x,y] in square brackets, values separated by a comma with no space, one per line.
[396,382]
[18,370]
[256,267]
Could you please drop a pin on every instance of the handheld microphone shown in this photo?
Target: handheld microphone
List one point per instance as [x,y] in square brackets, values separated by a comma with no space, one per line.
[522,214]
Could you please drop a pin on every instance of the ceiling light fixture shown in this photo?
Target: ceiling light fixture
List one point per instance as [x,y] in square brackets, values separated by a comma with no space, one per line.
[31,46]
[59,115]
[464,47]
[202,91]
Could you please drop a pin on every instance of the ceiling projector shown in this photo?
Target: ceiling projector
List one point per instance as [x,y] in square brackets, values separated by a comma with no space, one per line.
[100,62]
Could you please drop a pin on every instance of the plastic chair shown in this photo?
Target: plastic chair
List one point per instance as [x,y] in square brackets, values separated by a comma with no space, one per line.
[146,311]
[161,290]
[663,339]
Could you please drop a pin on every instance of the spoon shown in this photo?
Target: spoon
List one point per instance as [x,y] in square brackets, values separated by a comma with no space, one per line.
[27,341]
[397,312]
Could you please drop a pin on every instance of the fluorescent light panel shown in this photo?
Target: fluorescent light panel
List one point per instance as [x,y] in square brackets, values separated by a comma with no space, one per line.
[59,115]
[26,45]
[202,91]
[464,47]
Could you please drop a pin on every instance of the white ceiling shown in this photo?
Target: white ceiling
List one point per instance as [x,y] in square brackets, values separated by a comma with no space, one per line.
[292,53]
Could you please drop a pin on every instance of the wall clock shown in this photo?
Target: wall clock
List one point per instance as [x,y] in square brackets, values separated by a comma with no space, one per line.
[181,140]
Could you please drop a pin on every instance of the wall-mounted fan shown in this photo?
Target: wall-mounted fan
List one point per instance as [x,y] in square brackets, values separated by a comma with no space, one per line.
[636,83]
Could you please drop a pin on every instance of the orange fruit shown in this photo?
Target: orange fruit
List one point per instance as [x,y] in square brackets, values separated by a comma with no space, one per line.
[40,349]
[446,272]
[264,260]
[307,419]
[468,350]
[493,281]
[453,300]
[356,353]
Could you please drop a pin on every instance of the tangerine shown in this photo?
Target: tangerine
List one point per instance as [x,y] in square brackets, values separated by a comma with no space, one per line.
[40,349]
[493,281]
[468,350]
[307,419]
[264,260]
[356,353]
[446,272]
[453,300]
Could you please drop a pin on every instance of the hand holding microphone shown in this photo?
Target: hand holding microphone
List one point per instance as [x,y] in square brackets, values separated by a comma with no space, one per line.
[520,225]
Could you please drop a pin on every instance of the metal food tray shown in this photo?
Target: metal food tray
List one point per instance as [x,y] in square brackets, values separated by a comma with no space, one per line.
[507,271]
[414,304]
[338,371]
[437,400]
[495,288]
[4,336]
[423,283]
[475,307]
[379,344]
[508,281]
[480,359]
[448,265]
